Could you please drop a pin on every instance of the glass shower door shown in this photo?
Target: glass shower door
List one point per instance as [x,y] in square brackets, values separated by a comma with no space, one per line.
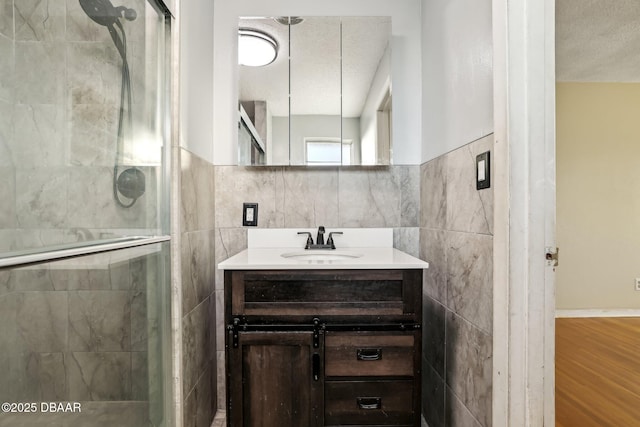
[84,218]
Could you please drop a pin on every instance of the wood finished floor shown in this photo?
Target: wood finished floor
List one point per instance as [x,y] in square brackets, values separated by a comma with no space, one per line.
[598,372]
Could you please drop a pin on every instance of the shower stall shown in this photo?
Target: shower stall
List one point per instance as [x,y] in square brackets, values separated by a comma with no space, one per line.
[84,214]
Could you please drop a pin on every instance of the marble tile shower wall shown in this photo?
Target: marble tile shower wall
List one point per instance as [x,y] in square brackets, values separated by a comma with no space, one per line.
[198,296]
[70,333]
[456,237]
[290,197]
[59,100]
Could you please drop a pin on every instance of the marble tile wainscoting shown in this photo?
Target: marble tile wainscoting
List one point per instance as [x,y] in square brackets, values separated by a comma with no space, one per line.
[456,237]
[199,353]
[291,197]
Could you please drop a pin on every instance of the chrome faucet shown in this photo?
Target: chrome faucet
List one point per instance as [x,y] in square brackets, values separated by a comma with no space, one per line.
[320,244]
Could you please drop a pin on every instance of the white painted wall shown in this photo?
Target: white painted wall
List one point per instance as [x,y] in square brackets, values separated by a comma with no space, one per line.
[406,65]
[368,120]
[457,85]
[196,77]
[598,192]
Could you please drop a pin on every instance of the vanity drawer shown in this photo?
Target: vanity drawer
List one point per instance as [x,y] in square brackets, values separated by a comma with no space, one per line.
[392,294]
[351,354]
[369,403]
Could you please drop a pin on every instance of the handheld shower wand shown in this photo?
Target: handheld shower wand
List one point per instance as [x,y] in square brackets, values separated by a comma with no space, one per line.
[104,13]
[131,182]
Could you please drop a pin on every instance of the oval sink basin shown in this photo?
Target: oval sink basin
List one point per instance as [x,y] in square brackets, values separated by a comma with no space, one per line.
[321,255]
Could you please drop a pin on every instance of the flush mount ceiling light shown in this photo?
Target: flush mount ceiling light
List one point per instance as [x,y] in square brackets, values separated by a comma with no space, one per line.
[256,49]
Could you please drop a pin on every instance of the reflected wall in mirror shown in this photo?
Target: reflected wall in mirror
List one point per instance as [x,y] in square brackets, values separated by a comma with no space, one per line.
[325,100]
[263,121]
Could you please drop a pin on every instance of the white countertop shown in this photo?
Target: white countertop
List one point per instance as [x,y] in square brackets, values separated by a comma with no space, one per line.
[366,249]
[371,258]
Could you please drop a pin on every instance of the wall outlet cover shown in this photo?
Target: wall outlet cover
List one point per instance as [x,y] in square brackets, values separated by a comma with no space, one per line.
[250,214]
[483,171]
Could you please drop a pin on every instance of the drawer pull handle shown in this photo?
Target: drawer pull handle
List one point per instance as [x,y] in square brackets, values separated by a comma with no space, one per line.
[368,403]
[369,354]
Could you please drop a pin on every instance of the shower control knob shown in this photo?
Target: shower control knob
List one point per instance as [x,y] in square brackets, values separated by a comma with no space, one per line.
[131,183]
[130,14]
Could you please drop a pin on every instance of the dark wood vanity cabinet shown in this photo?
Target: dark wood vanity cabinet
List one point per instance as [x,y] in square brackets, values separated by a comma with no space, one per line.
[323,347]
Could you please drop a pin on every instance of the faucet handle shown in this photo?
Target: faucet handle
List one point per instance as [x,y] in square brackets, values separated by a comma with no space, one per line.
[309,239]
[330,239]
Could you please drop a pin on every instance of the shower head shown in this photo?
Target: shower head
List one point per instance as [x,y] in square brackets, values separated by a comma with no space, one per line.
[104,13]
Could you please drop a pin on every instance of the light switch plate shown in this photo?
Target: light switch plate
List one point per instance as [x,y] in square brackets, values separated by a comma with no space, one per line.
[250,214]
[483,171]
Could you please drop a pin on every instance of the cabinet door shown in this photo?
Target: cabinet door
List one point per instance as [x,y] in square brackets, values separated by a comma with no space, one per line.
[275,380]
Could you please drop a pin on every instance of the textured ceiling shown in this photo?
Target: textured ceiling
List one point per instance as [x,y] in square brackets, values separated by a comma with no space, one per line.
[598,40]
[315,64]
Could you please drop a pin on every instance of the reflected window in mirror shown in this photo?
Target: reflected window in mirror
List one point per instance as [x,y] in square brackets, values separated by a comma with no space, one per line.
[328,152]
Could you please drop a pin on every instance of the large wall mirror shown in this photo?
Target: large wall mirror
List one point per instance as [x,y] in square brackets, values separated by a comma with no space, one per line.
[321,97]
